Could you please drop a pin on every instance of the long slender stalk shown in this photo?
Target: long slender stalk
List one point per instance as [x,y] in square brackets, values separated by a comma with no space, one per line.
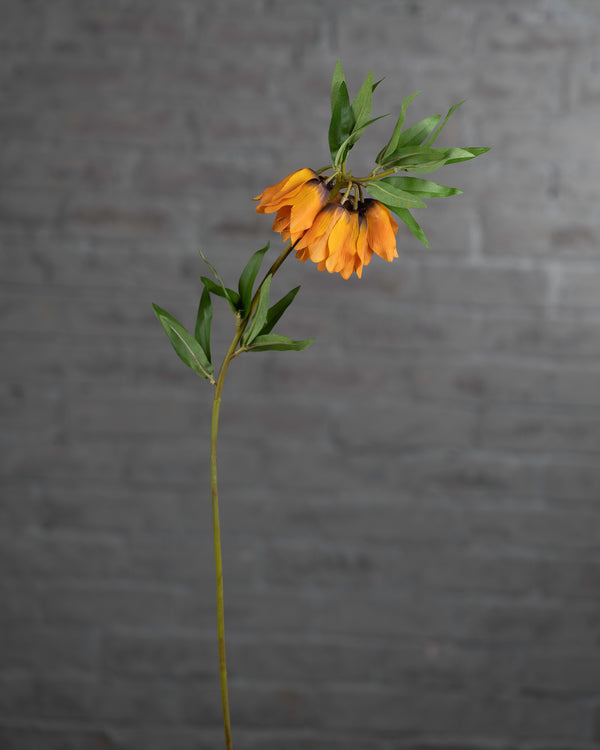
[214,493]
[240,328]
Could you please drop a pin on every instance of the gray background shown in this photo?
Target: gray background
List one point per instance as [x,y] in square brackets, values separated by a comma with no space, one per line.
[410,507]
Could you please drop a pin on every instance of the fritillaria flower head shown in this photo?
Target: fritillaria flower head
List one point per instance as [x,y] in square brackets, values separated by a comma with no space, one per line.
[343,238]
[325,214]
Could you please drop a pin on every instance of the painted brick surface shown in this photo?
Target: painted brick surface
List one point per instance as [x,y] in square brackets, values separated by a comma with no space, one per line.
[411,507]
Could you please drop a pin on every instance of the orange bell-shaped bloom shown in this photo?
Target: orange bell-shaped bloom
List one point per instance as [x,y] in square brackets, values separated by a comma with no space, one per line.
[343,239]
[381,229]
[297,199]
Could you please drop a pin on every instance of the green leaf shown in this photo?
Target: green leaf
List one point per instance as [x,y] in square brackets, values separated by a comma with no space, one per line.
[342,119]
[275,312]
[221,291]
[260,314]
[185,345]
[351,140]
[278,343]
[422,188]
[404,153]
[228,294]
[337,80]
[374,119]
[451,111]
[361,106]
[469,153]
[341,124]
[386,192]
[447,156]
[421,159]
[425,167]
[393,142]
[411,223]
[416,134]
[248,277]
[203,323]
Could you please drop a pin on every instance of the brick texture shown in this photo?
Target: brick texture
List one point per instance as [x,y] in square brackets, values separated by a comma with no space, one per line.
[411,507]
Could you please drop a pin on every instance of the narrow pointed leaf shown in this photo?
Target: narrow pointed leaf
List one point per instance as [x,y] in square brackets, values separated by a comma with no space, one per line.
[342,119]
[248,277]
[425,167]
[278,343]
[352,138]
[393,142]
[416,134]
[377,83]
[447,156]
[275,312]
[434,136]
[228,294]
[221,291]
[421,159]
[203,323]
[337,80]
[422,188]
[260,314]
[185,345]
[341,123]
[212,268]
[374,119]
[391,195]
[411,223]
[361,106]
[357,132]
[408,151]
[468,153]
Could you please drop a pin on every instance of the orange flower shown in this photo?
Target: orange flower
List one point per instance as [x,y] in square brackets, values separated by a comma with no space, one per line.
[381,229]
[297,199]
[343,239]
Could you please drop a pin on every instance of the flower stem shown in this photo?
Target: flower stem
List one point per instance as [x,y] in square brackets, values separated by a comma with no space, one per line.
[217,534]
[240,328]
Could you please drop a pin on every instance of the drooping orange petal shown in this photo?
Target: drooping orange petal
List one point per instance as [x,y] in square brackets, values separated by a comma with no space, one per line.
[381,230]
[282,199]
[315,238]
[342,242]
[393,225]
[290,182]
[282,220]
[282,223]
[320,225]
[363,250]
[351,250]
[306,205]
[347,269]
[335,241]
[319,247]
[302,254]
[358,266]
[271,195]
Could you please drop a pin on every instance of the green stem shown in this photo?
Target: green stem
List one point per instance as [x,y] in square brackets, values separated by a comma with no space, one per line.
[240,328]
[217,533]
[375,175]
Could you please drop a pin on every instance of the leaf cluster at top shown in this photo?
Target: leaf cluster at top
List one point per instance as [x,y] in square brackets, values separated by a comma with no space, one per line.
[408,150]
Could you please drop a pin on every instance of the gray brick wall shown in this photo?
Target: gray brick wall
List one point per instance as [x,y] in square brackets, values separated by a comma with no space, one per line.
[411,507]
